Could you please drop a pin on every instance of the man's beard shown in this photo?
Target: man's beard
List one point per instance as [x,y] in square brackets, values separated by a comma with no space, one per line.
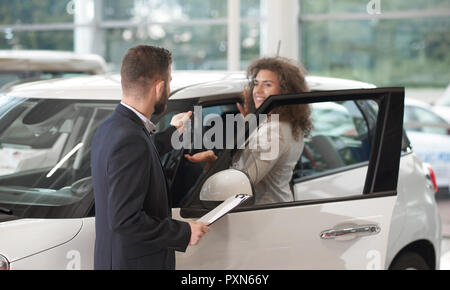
[161,105]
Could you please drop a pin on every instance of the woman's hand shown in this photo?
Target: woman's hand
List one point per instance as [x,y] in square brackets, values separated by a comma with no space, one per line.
[241,109]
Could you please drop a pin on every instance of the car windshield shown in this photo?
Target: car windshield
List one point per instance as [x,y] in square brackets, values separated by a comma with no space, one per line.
[8,77]
[45,155]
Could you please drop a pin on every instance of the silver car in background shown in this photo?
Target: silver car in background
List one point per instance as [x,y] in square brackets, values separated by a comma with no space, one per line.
[26,65]
[442,105]
[429,134]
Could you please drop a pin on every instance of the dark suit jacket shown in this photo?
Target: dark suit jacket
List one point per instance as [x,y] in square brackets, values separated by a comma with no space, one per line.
[133,224]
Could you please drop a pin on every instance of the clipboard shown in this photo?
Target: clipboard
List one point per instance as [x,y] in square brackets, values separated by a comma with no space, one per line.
[224,208]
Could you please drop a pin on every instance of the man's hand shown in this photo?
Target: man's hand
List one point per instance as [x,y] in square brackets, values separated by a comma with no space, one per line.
[179,120]
[198,230]
[205,156]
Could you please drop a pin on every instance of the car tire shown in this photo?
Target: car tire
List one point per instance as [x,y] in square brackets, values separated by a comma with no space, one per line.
[409,261]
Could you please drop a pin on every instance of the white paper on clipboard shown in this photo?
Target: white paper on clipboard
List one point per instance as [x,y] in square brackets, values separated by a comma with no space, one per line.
[224,208]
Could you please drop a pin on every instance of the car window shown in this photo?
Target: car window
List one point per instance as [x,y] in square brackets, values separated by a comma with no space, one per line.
[371,111]
[338,144]
[164,122]
[45,155]
[337,151]
[340,137]
[182,175]
[422,120]
[410,116]
[8,77]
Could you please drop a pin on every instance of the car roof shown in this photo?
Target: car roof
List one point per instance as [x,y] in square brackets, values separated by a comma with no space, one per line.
[51,61]
[184,85]
[417,103]
[444,99]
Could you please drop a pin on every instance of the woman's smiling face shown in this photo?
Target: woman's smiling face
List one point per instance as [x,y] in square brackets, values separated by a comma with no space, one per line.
[265,84]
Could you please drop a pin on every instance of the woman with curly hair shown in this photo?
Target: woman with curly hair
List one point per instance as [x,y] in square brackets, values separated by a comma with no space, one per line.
[286,124]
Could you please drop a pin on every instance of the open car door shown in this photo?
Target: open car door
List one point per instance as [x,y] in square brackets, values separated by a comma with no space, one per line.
[345,226]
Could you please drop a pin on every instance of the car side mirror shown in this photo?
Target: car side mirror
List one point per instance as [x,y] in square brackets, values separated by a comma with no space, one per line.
[225,184]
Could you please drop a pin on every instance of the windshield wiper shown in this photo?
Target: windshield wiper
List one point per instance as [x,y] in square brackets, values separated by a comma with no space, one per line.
[6,211]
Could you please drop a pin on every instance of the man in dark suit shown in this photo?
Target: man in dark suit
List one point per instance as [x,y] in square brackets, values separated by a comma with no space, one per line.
[133,224]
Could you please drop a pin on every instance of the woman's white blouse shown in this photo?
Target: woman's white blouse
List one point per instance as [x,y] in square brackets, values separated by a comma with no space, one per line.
[271,162]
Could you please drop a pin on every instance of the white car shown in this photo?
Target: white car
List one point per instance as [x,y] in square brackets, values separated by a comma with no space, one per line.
[430,138]
[25,65]
[442,106]
[362,199]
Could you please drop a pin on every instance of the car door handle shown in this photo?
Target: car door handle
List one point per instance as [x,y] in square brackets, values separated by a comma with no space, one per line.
[364,230]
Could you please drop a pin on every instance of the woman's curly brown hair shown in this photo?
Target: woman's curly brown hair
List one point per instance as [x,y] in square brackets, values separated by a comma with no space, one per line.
[292,80]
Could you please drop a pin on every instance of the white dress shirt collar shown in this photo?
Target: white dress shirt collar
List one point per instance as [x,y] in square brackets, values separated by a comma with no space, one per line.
[151,128]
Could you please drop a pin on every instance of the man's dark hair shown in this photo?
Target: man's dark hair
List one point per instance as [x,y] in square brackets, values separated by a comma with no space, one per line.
[141,66]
